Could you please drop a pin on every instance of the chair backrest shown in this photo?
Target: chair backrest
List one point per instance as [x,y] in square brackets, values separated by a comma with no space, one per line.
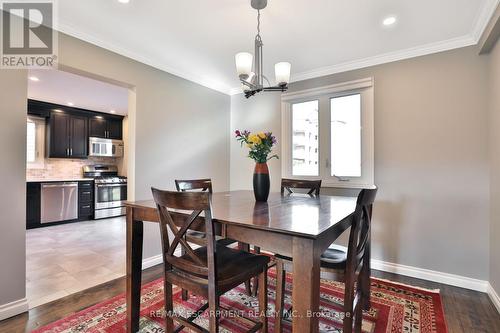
[360,228]
[194,184]
[314,186]
[192,204]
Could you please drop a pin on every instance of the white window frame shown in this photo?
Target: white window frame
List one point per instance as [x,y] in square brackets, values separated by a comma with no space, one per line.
[39,143]
[364,87]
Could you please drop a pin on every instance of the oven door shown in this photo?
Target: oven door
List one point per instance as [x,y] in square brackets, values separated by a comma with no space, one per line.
[110,195]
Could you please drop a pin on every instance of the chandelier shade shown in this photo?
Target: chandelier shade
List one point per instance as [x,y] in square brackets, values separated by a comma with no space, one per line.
[282,72]
[244,62]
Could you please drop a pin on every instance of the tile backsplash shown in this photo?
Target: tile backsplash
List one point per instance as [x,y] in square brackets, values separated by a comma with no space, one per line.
[63,168]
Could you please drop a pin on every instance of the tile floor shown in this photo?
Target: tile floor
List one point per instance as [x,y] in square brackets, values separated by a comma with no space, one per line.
[64,259]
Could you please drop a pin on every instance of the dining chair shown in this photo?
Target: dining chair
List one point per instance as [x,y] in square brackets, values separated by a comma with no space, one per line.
[290,185]
[193,236]
[209,271]
[350,265]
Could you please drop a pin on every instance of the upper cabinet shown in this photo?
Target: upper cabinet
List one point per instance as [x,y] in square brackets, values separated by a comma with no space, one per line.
[67,135]
[106,127]
[69,129]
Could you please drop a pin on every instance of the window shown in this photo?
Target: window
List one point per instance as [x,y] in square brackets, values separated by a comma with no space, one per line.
[305,130]
[328,134]
[35,138]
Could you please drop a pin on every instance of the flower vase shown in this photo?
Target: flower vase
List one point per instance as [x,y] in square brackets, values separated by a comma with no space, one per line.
[261,182]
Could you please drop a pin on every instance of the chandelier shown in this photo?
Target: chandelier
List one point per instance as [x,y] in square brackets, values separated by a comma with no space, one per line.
[253,81]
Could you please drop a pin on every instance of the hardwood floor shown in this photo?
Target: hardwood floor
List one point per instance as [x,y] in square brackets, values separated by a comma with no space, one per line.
[465,310]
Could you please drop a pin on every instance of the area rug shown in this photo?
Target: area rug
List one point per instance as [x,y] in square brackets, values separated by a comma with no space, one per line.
[395,308]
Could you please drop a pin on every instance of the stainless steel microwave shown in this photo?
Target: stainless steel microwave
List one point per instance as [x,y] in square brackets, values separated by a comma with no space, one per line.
[105,147]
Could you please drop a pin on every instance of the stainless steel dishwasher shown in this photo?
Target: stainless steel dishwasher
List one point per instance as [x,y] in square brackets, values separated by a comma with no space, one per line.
[59,202]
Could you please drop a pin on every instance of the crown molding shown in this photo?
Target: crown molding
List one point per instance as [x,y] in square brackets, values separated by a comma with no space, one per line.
[483,18]
[69,30]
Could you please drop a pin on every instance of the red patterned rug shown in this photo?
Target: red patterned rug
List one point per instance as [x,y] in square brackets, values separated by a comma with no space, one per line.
[395,308]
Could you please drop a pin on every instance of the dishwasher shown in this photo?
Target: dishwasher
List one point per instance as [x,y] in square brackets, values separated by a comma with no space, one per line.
[59,202]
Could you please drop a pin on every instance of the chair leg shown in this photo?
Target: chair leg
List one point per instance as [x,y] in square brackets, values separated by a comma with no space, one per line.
[280,296]
[248,283]
[365,279]
[263,300]
[213,319]
[169,307]
[358,318]
[255,284]
[184,292]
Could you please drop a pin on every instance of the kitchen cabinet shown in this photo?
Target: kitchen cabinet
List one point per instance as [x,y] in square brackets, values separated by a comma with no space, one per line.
[32,205]
[105,127]
[86,200]
[67,135]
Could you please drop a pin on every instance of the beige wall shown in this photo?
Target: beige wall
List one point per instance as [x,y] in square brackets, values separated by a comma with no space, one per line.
[256,115]
[431,158]
[495,167]
[178,129]
[13,97]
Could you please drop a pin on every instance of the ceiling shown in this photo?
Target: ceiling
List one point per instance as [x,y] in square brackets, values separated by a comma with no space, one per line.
[62,88]
[197,39]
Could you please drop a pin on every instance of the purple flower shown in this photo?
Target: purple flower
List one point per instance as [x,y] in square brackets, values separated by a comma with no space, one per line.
[273,140]
[246,133]
[238,133]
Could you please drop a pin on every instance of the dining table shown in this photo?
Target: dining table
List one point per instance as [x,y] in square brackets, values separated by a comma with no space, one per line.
[299,226]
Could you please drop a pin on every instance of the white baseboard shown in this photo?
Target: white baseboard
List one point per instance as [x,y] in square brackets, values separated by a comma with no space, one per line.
[494,297]
[429,275]
[152,261]
[13,308]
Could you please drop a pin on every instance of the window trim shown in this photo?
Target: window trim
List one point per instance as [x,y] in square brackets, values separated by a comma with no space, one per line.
[323,95]
[39,143]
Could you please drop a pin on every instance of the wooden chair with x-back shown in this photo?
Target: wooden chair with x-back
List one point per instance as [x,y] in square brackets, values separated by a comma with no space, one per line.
[208,271]
[312,187]
[350,265]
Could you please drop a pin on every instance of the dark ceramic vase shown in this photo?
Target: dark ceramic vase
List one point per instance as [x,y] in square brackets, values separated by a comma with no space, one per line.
[261,182]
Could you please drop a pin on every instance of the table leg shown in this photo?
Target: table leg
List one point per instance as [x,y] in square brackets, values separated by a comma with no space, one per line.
[306,283]
[134,271]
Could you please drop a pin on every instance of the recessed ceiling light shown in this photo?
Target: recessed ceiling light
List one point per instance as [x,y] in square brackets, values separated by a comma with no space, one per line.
[123,1]
[112,111]
[34,79]
[70,104]
[389,20]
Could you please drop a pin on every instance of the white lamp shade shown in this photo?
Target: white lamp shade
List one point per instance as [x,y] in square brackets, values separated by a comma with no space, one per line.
[244,64]
[282,72]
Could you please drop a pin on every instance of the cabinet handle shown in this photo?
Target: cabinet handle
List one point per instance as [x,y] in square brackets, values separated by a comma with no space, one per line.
[88,206]
[67,151]
[71,151]
[85,192]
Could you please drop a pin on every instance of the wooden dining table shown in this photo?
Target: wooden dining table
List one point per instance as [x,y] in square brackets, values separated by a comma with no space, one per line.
[298,226]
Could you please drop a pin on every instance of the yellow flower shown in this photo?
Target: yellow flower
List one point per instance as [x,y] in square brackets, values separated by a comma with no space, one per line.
[249,145]
[262,135]
[255,139]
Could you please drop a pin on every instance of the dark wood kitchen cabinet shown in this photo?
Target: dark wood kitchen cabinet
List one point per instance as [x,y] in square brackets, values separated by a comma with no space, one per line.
[33,196]
[67,135]
[86,200]
[106,127]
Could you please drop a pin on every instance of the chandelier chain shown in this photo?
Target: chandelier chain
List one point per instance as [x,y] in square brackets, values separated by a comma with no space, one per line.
[258,22]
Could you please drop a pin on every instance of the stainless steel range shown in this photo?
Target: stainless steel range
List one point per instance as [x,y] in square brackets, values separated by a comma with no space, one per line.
[110,190]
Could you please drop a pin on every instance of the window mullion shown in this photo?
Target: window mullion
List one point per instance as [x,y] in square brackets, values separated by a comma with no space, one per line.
[324,137]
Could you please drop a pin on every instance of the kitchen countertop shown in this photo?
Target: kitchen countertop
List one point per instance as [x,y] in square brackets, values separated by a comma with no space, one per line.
[53,180]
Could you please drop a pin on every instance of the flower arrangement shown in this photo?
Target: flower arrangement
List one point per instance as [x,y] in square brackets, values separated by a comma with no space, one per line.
[260,144]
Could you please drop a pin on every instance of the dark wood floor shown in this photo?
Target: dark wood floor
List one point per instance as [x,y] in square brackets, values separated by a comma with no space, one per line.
[466,311]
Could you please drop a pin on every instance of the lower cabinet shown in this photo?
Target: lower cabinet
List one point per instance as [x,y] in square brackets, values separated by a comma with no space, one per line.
[33,198]
[85,200]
